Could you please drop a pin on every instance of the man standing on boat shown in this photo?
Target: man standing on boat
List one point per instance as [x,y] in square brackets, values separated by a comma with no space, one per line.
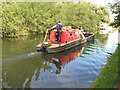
[59,27]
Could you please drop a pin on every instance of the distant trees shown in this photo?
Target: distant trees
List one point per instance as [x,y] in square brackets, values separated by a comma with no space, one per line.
[115,8]
[35,17]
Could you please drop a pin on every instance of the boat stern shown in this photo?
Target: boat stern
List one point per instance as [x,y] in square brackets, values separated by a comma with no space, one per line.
[39,47]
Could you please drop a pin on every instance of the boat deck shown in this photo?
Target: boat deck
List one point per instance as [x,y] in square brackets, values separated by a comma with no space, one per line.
[61,44]
[56,44]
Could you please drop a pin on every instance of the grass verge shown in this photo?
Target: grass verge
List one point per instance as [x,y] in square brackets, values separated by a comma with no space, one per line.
[109,74]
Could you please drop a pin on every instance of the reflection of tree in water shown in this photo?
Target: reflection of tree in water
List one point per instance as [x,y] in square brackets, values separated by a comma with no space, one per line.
[60,59]
[101,37]
[19,73]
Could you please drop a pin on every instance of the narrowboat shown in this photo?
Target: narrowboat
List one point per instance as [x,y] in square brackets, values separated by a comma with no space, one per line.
[70,38]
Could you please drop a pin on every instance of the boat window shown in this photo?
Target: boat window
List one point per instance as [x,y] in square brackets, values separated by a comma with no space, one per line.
[102,25]
[102,28]
[71,35]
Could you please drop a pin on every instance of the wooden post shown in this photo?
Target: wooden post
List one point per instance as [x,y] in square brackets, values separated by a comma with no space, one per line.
[45,35]
[81,34]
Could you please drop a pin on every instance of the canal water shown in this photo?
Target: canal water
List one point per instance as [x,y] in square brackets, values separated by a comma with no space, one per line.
[78,67]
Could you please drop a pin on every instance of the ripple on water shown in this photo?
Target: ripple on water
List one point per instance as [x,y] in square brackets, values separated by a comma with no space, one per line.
[74,68]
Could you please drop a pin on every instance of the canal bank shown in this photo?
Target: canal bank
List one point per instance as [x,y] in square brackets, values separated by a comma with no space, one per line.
[109,74]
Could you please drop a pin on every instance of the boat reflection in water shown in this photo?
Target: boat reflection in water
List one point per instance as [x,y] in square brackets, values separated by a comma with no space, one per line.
[54,71]
[60,59]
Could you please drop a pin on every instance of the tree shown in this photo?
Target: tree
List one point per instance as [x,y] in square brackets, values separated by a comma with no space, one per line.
[115,8]
[36,17]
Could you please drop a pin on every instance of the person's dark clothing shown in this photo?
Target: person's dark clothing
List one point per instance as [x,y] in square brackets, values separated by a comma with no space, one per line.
[59,31]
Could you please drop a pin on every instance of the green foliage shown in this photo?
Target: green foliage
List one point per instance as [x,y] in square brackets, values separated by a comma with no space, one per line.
[115,8]
[36,17]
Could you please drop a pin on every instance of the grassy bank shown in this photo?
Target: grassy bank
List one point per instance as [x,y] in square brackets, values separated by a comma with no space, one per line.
[109,74]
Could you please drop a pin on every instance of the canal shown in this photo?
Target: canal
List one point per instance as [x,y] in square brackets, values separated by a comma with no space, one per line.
[78,67]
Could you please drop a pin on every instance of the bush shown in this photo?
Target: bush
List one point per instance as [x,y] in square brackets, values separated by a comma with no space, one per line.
[36,17]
